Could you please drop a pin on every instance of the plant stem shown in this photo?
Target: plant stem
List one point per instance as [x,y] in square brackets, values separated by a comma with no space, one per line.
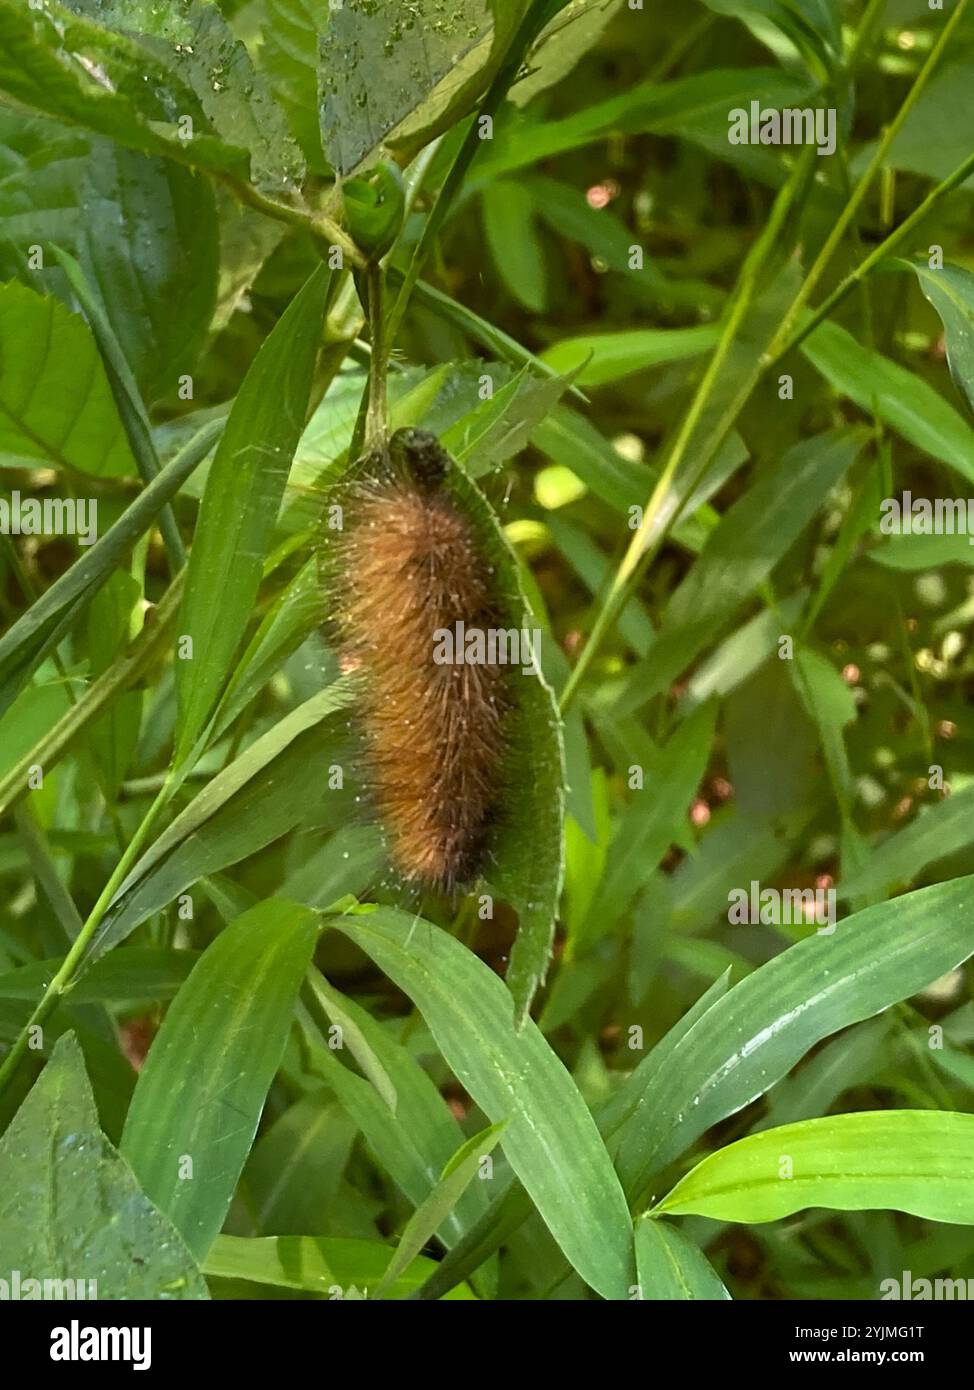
[880,252]
[325,231]
[377,418]
[664,504]
[850,209]
[531,25]
[67,973]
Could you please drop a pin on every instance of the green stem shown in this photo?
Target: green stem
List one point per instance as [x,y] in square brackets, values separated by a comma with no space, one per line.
[377,417]
[68,970]
[531,25]
[851,208]
[324,230]
[663,506]
[879,253]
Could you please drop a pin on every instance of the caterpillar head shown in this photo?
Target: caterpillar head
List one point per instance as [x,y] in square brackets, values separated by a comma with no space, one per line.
[421,455]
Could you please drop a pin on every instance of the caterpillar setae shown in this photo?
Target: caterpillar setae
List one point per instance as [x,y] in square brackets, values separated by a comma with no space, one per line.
[406,567]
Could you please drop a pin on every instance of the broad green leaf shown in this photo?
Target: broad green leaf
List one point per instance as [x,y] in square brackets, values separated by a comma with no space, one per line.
[435,59]
[42,626]
[908,1160]
[61,64]
[196,44]
[898,397]
[456,1177]
[239,507]
[500,427]
[334,1268]
[70,1209]
[601,358]
[848,1060]
[551,1140]
[757,1032]
[511,1208]
[289,59]
[56,408]
[275,784]
[149,245]
[670,1268]
[951,292]
[202,1089]
[295,614]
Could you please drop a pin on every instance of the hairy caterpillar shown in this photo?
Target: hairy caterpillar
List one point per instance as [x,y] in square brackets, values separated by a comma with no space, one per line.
[406,565]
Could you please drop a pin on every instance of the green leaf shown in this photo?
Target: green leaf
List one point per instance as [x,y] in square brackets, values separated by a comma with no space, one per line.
[61,64]
[149,245]
[405,1120]
[551,1141]
[295,1170]
[434,61]
[755,1034]
[239,507]
[670,1268]
[918,552]
[137,973]
[562,44]
[200,1094]
[516,248]
[56,407]
[613,356]
[895,395]
[41,628]
[70,1208]
[289,59]
[527,853]
[810,28]
[115,611]
[753,535]
[275,784]
[456,1177]
[908,1160]
[951,292]
[937,832]
[658,815]
[336,1268]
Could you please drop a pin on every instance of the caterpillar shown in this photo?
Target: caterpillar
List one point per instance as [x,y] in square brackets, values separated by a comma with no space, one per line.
[405,567]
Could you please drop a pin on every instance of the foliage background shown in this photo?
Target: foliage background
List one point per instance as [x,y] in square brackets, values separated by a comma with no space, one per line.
[183,814]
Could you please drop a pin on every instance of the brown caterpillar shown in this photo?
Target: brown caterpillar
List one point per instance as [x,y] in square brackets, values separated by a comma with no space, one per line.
[405,566]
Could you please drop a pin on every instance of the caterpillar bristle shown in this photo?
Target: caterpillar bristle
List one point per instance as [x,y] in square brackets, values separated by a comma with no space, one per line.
[406,565]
